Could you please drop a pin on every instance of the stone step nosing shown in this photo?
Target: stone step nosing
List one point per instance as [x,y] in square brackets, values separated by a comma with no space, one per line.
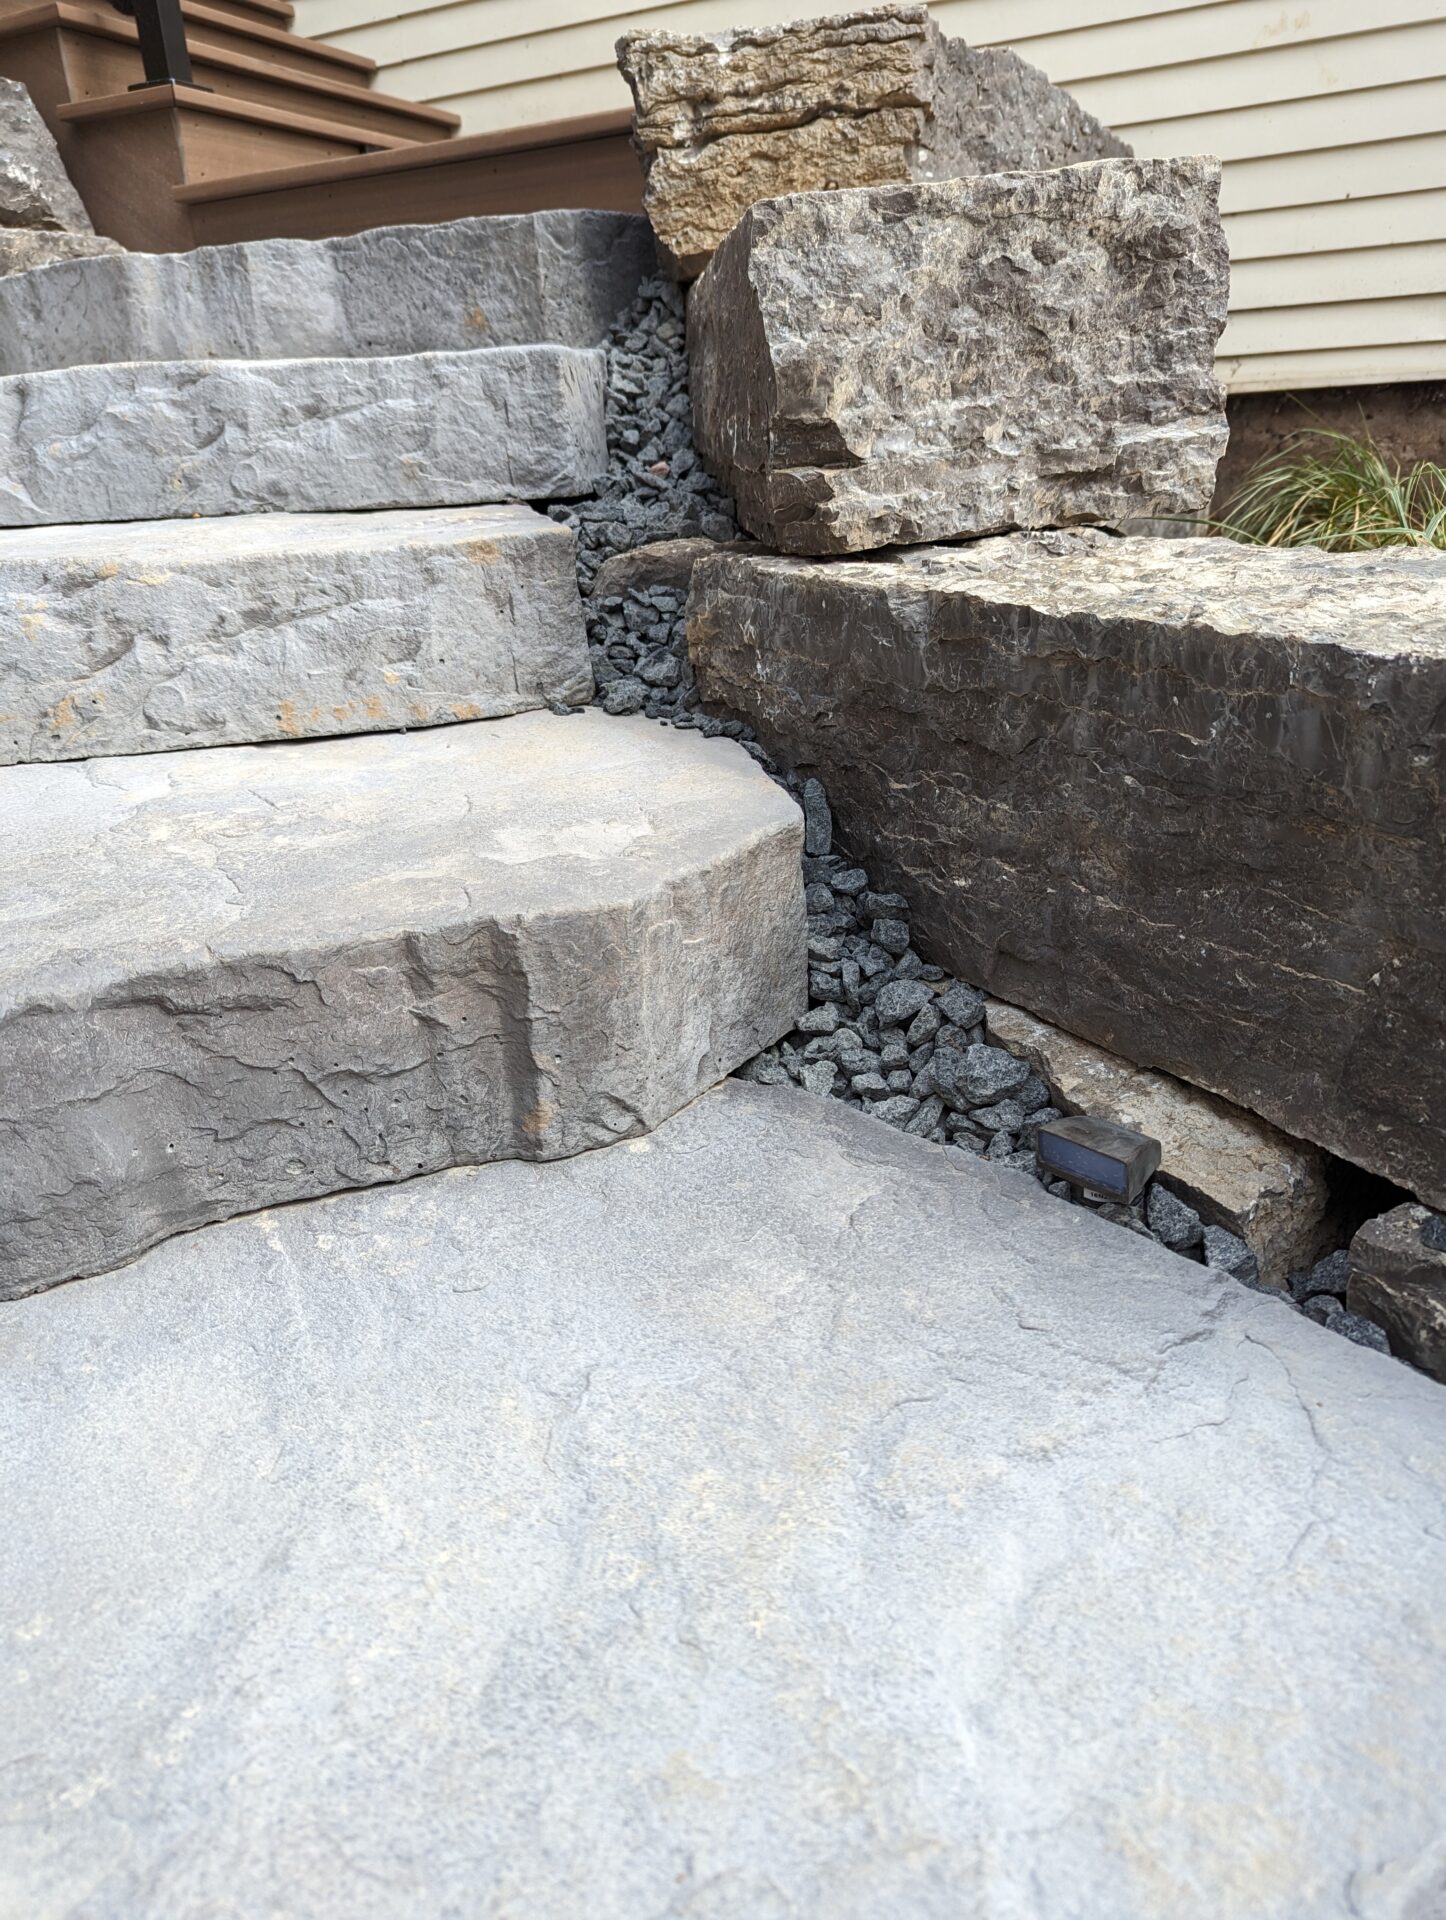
[169,440]
[163,636]
[557,277]
[245,976]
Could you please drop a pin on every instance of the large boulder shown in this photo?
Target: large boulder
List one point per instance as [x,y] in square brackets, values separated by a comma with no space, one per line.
[1181,797]
[870,98]
[35,189]
[918,363]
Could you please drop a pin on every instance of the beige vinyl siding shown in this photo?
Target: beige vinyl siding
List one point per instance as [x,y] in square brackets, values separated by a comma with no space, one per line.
[1330,117]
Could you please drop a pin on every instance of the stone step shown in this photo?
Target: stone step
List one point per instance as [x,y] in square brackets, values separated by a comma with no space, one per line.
[160,635]
[776,1515]
[510,280]
[247,975]
[158,440]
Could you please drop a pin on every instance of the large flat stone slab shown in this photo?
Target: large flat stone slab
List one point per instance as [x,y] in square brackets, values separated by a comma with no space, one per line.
[160,635]
[35,190]
[773,1516]
[904,364]
[510,280]
[1182,798]
[868,98]
[1230,1166]
[166,440]
[247,975]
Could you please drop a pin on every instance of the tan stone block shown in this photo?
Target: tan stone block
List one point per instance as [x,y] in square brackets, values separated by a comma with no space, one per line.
[1233,1168]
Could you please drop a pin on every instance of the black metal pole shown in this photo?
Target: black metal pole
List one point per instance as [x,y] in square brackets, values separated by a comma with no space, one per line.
[162,32]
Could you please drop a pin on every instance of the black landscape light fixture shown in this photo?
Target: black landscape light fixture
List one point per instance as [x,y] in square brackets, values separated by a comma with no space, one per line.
[162,32]
[1108,1161]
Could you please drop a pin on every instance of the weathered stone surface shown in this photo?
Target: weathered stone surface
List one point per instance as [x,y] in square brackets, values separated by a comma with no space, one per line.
[164,440]
[773,1516]
[870,98]
[1182,798]
[237,977]
[512,280]
[158,635]
[23,248]
[660,563]
[1232,1168]
[916,363]
[35,189]
[1398,1278]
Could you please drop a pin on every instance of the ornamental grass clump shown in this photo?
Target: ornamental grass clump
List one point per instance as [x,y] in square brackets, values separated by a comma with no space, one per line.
[1326,489]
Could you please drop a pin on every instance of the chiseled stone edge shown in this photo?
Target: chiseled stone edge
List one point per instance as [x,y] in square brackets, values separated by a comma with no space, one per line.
[155,637]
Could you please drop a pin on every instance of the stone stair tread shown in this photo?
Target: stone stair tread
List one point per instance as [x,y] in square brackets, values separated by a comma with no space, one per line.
[245,975]
[557,277]
[159,636]
[161,440]
[728,1521]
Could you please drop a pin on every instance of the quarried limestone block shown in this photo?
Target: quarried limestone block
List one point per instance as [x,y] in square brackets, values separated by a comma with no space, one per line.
[22,248]
[35,190]
[244,976]
[1398,1279]
[168,440]
[870,98]
[919,363]
[506,280]
[1180,797]
[1229,1165]
[158,635]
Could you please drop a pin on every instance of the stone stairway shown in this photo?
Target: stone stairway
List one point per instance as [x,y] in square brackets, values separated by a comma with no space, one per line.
[246,964]
[262,98]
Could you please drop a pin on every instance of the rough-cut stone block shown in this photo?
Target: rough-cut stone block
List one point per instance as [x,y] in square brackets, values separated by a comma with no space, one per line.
[243,976]
[24,248]
[35,189]
[196,633]
[774,1516]
[660,563]
[1398,1279]
[165,440]
[1232,1168]
[871,98]
[513,280]
[916,363]
[1182,797]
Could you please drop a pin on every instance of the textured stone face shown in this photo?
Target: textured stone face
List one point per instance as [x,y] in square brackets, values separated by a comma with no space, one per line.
[767,1517]
[35,189]
[22,248]
[171,634]
[166,440]
[917,363]
[1182,798]
[861,99]
[514,280]
[234,979]
[1227,1164]
[1398,1278]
